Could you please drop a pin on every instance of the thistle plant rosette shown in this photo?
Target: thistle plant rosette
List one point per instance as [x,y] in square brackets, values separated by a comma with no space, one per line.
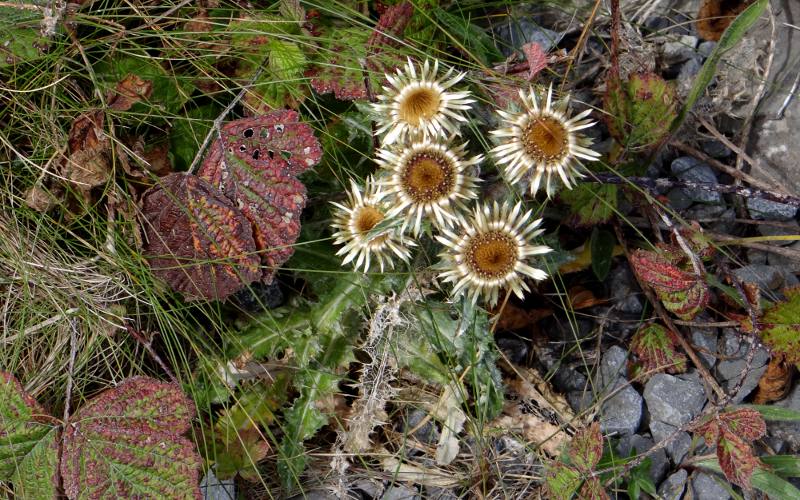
[418,104]
[428,178]
[540,142]
[362,228]
[488,252]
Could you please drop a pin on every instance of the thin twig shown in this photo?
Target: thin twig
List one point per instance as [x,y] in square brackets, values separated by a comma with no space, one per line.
[153,354]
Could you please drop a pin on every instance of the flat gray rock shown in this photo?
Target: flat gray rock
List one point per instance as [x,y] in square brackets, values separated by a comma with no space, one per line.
[674,400]
[217,489]
[735,353]
[690,169]
[678,447]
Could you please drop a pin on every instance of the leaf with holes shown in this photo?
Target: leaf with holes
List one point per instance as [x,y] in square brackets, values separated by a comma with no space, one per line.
[682,293]
[657,351]
[28,449]
[127,442]
[732,431]
[780,326]
[586,448]
[254,163]
[640,110]
[197,240]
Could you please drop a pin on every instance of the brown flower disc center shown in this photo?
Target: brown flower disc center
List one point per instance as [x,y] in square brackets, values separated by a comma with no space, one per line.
[419,104]
[545,139]
[428,176]
[367,218]
[491,255]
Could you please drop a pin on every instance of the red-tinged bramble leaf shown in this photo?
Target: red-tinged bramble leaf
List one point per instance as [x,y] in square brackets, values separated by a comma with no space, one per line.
[254,164]
[536,57]
[736,459]
[586,448]
[744,422]
[682,293]
[127,442]
[197,240]
[592,489]
[28,443]
[640,110]
[656,349]
[561,481]
[780,326]
[390,28]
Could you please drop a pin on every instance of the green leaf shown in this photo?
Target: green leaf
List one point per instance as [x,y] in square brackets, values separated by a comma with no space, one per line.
[780,326]
[28,451]
[562,481]
[127,442]
[188,134]
[774,413]
[640,110]
[586,448]
[590,204]
[602,244]
[468,37]
[733,34]
[169,94]
[20,38]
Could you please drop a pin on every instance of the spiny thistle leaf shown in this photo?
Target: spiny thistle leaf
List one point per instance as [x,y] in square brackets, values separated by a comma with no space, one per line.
[127,442]
[197,240]
[640,111]
[780,326]
[254,163]
[656,349]
[586,448]
[682,293]
[732,431]
[28,451]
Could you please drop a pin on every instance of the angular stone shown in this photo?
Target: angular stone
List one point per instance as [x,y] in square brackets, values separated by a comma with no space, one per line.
[674,486]
[706,340]
[674,400]
[400,492]
[637,444]
[730,368]
[216,489]
[761,209]
[679,447]
[625,292]
[689,169]
[708,487]
[766,277]
[679,50]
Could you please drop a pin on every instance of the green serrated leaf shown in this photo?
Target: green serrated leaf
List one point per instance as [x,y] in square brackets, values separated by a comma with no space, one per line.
[169,92]
[657,351]
[590,204]
[732,35]
[780,326]
[602,244]
[28,454]
[640,110]
[586,448]
[562,481]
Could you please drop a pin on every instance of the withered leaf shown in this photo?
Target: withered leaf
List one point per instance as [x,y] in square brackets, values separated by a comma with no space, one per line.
[198,241]
[88,163]
[128,92]
[715,16]
[774,384]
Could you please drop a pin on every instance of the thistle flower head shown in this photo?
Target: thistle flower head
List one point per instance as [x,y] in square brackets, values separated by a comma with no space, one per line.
[363,227]
[428,178]
[488,251]
[542,144]
[418,104]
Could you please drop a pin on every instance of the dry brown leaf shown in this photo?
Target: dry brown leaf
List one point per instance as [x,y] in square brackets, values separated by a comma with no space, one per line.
[128,92]
[533,428]
[775,382]
[88,164]
[580,298]
[40,198]
[714,16]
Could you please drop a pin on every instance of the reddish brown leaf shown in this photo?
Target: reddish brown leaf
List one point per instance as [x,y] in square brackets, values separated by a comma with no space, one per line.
[683,293]
[744,422]
[592,489]
[736,459]
[127,442]
[254,164]
[88,164]
[657,350]
[775,382]
[537,58]
[197,240]
[128,92]
[715,16]
[586,448]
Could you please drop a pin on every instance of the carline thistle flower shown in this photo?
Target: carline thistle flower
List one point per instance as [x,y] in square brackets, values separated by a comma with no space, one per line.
[488,251]
[357,225]
[427,178]
[417,104]
[542,144]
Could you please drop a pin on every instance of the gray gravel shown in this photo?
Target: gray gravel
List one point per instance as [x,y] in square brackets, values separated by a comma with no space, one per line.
[674,486]
[674,400]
